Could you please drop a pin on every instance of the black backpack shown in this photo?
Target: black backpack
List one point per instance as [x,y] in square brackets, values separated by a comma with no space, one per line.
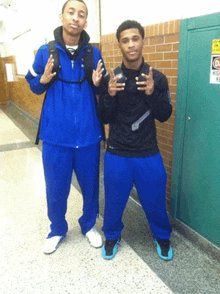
[88,64]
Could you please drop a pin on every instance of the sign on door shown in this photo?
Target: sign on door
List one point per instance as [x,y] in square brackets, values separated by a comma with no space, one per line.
[215,62]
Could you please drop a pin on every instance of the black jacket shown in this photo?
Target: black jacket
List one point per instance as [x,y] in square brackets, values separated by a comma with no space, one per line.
[127,107]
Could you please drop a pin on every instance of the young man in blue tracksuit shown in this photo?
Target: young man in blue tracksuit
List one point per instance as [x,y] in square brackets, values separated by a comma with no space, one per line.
[131,98]
[69,128]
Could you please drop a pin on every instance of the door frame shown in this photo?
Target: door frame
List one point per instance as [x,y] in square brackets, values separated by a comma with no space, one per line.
[186,26]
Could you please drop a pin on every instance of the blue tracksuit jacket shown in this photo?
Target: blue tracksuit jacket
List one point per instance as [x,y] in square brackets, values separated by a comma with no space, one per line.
[69,115]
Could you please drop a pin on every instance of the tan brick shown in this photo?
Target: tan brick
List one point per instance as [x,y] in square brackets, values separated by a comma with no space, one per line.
[166,28]
[151,31]
[173,81]
[145,56]
[161,29]
[170,148]
[172,88]
[109,47]
[156,40]
[107,64]
[108,59]
[113,38]
[173,98]
[169,56]
[169,79]
[146,41]
[163,64]
[117,59]
[147,32]
[152,63]
[149,49]
[173,38]
[176,47]
[156,30]
[171,127]
[177,26]
[171,27]
[175,63]
[171,120]
[156,56]
[171,72]
[102,39]
[103,47]
[162,139]
[163,48]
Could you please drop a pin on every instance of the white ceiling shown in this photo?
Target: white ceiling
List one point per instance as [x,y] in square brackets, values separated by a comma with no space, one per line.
[7,8]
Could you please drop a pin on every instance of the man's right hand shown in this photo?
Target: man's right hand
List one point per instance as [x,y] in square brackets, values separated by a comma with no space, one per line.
[113,86]
[48,75]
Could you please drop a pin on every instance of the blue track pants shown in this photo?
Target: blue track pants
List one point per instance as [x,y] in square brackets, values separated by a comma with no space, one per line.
[59,164]
[149,176]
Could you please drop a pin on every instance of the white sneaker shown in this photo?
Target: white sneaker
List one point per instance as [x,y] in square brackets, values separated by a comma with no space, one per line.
[51,244]
[94,238]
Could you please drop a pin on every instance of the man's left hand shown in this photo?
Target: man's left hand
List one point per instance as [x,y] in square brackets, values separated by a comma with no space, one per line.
[97,74]
[148,85]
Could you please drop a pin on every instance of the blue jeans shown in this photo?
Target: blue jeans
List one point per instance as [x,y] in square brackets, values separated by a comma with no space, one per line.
[149,176]
[59,164]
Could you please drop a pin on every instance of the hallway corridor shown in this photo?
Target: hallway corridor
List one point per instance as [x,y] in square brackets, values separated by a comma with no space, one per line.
[76,267]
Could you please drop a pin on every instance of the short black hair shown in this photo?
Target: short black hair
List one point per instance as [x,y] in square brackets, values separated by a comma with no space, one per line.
[129,24]
[64,6]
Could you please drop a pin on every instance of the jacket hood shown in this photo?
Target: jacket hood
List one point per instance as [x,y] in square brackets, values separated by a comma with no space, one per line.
[83,41]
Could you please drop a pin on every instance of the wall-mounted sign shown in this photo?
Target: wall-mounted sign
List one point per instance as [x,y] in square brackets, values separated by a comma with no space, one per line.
[215,62]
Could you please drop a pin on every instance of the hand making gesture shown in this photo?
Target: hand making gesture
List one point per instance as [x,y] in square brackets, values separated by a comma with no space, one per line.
[48,75]
[97,74]
[113,86]
[148,85]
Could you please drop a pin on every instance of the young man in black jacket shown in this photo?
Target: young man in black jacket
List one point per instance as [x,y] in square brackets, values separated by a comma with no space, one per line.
[131,98]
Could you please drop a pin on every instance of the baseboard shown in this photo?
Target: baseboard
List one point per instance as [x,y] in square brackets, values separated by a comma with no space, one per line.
[23,113]
[201,242]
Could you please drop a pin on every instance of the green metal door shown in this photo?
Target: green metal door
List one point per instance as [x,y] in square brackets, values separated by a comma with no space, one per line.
[196,191]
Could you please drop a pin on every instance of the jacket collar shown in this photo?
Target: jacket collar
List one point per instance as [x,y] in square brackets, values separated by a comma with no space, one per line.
[83,41]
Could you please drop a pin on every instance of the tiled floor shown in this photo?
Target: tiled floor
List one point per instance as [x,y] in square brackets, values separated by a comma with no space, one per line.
[76,267]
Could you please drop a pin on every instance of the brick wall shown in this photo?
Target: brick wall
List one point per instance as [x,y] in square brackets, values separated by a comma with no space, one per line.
[161,48]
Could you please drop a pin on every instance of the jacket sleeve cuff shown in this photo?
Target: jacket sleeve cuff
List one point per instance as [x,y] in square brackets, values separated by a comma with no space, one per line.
[40,88]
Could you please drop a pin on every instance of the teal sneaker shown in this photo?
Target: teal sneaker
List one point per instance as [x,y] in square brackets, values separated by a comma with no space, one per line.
[164,249]
[109,249]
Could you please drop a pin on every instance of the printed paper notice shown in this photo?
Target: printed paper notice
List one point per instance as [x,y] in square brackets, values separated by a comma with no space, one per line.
[10,72]
[215,62]
[216,47]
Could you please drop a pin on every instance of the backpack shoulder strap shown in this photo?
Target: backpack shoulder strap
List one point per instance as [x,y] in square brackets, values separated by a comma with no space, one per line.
[52,50]
[119,73]
[144,70]
[88,62]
